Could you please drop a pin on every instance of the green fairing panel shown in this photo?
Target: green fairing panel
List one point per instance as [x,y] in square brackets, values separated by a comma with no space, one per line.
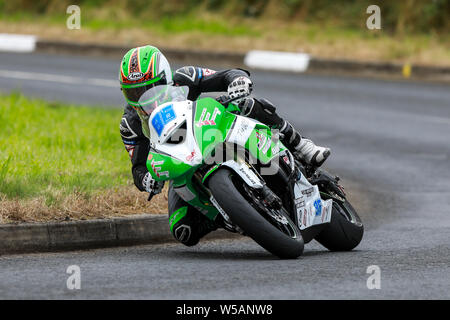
[262,144]
[201,202]
[163,167]
[212,122]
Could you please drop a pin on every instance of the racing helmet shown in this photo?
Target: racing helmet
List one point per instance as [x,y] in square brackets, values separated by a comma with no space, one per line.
[143,68]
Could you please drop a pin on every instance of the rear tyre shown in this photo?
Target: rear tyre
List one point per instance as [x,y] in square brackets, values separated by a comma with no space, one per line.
[345,230]
[274,231]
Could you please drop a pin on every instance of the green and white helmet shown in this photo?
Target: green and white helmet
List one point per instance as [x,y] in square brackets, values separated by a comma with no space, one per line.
[143,68]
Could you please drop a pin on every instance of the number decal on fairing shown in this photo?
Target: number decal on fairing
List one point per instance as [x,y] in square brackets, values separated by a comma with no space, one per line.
[163,117]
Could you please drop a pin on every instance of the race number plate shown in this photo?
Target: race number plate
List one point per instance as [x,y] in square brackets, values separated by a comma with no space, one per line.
[162,118]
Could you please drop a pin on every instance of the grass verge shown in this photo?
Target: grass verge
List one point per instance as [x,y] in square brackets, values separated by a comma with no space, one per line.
[60,162]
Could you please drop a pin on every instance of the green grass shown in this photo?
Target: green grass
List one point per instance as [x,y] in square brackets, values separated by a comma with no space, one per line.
[165,25]
[55,149]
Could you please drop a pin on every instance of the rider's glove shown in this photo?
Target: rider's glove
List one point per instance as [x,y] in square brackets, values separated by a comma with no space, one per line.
[151,185]
[240,87]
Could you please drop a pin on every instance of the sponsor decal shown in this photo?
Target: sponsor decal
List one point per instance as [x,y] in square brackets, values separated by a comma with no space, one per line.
[262,139]
[305,217]
[206,123]
[286,159]
[191,156]
[250,178]
[326,213]
[206,119]
[264,143]
[318,206]
[276,149]
[266,148]
[208,72]
[157,170]
[243,128]
[130,150]
[299,202]
[308,191]
[134,76]
[219,208]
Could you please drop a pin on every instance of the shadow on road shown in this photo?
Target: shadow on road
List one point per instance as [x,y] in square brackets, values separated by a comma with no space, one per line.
[232,255]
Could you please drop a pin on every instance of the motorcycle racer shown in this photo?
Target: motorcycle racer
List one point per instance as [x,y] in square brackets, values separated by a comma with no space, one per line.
[145,67]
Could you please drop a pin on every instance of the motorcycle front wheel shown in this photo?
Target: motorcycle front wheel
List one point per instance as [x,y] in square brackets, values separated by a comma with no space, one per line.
[271,229]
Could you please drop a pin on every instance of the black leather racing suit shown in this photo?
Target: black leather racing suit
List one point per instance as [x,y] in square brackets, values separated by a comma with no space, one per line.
[186,223]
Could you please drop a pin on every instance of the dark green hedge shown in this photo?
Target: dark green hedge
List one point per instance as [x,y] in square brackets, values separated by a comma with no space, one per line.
[398,16]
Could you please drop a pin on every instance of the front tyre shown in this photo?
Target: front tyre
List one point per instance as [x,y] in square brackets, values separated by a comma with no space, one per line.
[345,230]
[274,231]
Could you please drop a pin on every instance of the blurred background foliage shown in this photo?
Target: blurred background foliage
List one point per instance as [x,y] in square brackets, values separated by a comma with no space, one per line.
[398,17]
[413,31]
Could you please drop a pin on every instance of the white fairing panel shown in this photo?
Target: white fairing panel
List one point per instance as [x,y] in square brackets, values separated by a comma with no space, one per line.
[242,129]
[311,209]
[163,124]
[242,169]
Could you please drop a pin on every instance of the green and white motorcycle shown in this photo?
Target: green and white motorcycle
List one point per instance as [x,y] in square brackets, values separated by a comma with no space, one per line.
[237,172]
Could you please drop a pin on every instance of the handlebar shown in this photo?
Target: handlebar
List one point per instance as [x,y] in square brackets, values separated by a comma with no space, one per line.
[225,99]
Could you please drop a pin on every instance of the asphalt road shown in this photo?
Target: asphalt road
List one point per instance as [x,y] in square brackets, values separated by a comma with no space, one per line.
[390,143]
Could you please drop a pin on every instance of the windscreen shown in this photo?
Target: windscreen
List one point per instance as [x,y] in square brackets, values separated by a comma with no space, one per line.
[161,94]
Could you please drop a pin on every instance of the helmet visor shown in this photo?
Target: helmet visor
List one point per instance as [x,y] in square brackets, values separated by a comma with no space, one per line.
[134,92]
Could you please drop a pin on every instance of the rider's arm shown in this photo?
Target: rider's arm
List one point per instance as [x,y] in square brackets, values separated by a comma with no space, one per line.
[136,144]
[206,80]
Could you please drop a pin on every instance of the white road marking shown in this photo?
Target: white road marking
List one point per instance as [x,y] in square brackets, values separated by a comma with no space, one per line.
[37,76]
[17,42]
[275,60]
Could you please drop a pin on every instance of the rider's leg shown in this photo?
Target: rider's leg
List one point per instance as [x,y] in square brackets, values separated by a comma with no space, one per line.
[187,224]
[265,112]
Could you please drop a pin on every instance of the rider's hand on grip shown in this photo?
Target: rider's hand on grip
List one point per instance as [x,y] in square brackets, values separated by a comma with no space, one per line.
[151,185]
[240,87]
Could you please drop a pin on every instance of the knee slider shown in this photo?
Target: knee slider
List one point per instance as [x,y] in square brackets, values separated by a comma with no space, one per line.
[183,233]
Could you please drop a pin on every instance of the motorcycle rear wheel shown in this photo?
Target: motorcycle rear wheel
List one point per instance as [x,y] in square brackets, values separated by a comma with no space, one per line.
[345,230]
